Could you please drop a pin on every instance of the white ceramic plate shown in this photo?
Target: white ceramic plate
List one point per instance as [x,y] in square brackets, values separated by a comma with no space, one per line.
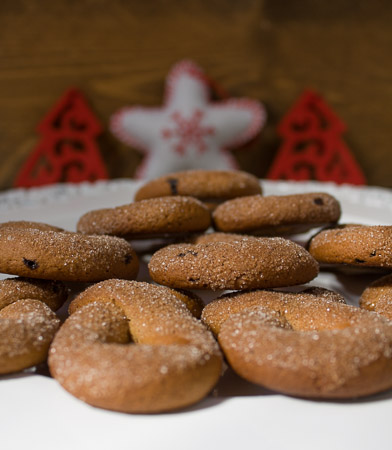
[36,413]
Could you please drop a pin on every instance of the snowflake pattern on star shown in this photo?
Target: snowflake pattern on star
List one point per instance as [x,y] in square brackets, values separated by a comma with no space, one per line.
[189,131]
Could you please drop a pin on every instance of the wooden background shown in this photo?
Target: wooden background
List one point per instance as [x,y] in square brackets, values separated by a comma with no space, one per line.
[118,53]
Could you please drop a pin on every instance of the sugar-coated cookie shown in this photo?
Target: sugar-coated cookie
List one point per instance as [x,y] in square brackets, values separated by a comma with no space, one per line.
[304,345]
[150,218]
[354,245]
[27,224]
[276,214]
[243,264]
[52,293]
[65,256]
[27,328]
[173,360]
[378,297]
[27,323]
[219,310]
[219,236]
[210,186]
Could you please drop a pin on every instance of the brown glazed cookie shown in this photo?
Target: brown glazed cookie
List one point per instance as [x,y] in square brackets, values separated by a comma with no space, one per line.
[303,345]
[274,215]
[378,297]
[220,237]
[245,264]
[219,310]
[173,360]
[52,293]
[26,224]
[27,328]
[355,245]
[210,186]
[65,256]
[154,217]
[213,237]
[192,301]
[27,324]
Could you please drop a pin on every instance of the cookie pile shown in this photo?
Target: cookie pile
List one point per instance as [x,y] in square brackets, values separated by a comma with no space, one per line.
[227,236]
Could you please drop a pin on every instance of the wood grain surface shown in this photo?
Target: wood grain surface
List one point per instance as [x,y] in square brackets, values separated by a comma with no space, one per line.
[118,53]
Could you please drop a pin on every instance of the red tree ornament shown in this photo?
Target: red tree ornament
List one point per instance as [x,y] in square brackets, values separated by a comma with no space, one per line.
[67,151]
[312,148]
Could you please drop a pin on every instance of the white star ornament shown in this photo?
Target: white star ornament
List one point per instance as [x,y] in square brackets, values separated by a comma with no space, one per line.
[188,131]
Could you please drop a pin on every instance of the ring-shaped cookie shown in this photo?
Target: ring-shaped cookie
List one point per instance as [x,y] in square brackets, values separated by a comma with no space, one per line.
[27,328]
[27,224]
[52,293]
[276,214]
[309,347]
[354,245]
[65,256]
[27,322]
[156,217]
[378,297]
[210,186]
[219,310]
[220,236]
[173,361]
[240,264]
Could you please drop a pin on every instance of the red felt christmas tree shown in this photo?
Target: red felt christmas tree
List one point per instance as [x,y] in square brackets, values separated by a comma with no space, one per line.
[312,147]
[67,151]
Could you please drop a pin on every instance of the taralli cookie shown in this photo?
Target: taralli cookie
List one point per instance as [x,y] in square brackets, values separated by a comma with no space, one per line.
[192,301]
[378,297]
[52,293]
[276,215]
[27,322]
[219,310]
[354,245]
[25,224]
[173,361]
[304,346]
[219,237]
[155,217]
[27,328]
[65,256]
[209,186]
[244,264]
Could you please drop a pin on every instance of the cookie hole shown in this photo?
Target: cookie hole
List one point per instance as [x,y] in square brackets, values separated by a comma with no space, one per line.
[318,201]
[359,261]
[30,263]
[173,183]
[192,252]
[128,259]
[374,253]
